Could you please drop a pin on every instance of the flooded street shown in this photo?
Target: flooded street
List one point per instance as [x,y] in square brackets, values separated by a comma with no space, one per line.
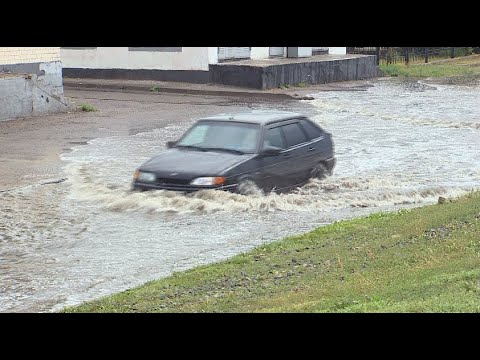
[80,234]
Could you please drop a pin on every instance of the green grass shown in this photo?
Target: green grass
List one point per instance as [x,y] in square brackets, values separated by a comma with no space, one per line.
[426,70]
[420,260]
[301,84]
[155,88]
[88,107]
[465,66]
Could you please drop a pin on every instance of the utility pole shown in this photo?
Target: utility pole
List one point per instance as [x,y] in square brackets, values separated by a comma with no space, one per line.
[426,55]
[407,60]
[452,53]
[377,52]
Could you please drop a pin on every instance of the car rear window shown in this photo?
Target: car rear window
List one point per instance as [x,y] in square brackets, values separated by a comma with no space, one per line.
[312,130]
[294,135]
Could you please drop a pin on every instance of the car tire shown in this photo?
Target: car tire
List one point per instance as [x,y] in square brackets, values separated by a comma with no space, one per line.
[319,172]
[247,187]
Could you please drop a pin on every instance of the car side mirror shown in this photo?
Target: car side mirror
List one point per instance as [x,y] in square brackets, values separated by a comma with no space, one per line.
[271,151]
[171,144]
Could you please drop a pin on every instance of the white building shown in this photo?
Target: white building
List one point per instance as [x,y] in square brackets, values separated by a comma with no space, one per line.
[30,81]
[190,64]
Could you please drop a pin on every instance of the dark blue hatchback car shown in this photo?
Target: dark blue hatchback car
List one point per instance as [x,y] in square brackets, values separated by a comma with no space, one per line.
[273,150]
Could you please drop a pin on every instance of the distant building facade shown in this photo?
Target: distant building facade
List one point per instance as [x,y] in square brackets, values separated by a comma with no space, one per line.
[189,64]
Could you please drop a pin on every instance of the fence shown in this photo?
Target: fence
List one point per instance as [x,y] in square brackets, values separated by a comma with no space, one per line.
[393,55]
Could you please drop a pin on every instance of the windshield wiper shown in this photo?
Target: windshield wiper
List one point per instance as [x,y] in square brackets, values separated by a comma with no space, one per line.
[234,151]
[191,147]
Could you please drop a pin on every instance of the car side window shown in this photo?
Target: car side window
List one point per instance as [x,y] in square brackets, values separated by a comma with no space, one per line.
[312,130]
[294,135]
[273,137]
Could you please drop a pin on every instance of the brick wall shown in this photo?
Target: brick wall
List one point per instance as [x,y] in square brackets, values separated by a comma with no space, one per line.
[22,55]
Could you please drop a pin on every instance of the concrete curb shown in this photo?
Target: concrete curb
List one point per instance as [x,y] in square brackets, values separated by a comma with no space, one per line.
[159,90]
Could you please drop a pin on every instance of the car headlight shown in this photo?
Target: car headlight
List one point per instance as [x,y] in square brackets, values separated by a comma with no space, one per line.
[208,181]
[144,176]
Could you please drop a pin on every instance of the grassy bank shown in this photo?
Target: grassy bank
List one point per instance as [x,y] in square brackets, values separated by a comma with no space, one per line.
[468,66]
[421,260]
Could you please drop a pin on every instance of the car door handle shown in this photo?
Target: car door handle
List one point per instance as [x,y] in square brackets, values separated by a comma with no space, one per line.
[311,149]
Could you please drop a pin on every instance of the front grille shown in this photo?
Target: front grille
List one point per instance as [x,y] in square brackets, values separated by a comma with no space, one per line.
[164,181]
[178,187]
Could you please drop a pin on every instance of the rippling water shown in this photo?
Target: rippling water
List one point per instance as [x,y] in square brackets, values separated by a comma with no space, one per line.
[397,145]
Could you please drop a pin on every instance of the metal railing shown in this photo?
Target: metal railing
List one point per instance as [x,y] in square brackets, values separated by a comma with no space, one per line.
[406,55]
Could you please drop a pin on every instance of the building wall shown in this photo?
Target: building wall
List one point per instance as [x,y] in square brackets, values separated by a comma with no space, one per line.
[313,71]
[260,53]
[23,55]
[337,50]
[213,55]
[31,83]
[186,64]
[299,52]
[182,58]
[264,52]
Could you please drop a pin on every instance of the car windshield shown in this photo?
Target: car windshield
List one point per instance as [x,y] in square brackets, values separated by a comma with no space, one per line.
[222,135]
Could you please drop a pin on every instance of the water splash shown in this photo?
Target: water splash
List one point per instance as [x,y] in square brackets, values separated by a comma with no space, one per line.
[62,243]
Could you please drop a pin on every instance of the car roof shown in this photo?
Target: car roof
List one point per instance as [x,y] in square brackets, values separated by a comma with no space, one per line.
[261,117]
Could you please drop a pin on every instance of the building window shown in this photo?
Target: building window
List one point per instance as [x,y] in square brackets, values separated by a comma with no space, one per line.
[319,50]
[78,48]
[157,49]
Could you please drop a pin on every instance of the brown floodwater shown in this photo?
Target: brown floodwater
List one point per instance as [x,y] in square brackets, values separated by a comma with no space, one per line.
[84,235]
